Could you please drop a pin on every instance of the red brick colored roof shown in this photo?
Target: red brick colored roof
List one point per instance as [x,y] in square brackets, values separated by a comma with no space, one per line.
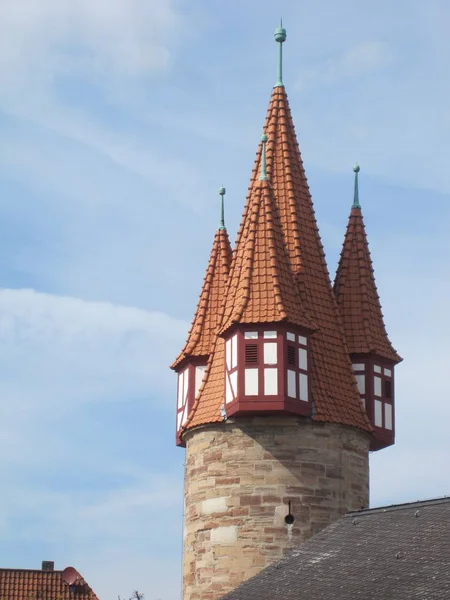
[206,319]
[335,394]
[261,285]
[25,584]
[357,295]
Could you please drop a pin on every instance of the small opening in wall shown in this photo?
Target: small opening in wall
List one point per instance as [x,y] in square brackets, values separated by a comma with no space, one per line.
[289,518]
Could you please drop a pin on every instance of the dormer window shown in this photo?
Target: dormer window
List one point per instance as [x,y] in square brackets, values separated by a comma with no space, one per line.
[189,382]
[269,373]
[376,388]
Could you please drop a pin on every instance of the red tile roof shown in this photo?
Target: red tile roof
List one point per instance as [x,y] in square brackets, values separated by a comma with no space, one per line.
[357,295]
[335,394]
[25,584]
[261,285]
[206,318]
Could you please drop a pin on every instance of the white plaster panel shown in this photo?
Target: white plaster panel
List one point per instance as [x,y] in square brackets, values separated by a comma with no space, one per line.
[388,416]
[199,374]
[303,382]
[224,535]
[378,406]
[290,337]
[251,382]
[270,334]
[233,381]
[270,382]
[228,393]
[180,390]
[234,355]
[377,386]
[270,353]
[213,505]
[291,384]
[361,381]
[185,414]
[228,353]
[303,359]
[186,384]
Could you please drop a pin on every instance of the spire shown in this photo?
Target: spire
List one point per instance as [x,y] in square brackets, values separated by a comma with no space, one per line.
[356,203]
[222,191]
[356,292]
[206,318]
[280,38]
[261,284]
[333,388]
[263,176]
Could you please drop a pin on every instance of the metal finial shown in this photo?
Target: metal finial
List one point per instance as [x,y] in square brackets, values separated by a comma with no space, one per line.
[222,191]
[356,203]
[263,176]
[280,37]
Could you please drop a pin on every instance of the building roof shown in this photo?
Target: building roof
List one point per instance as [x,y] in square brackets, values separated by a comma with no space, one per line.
[206,318]
[28,584]
[261,284]
[356,291]
[400,552]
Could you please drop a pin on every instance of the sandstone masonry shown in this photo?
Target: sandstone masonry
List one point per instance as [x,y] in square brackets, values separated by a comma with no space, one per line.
[240,477]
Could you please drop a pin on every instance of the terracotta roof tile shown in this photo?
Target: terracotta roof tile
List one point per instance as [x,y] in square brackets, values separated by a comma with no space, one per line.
[24,584]
[206,318]
[261,284]
[357,295]
[335,394]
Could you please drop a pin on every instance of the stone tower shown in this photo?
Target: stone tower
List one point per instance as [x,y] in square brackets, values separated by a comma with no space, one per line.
[276,431]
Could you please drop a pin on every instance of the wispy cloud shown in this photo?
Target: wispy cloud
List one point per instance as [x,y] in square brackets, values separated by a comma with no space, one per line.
[355,61]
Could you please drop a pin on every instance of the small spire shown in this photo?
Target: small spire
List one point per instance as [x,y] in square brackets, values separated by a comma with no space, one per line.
[222,191]
[280,37]
[263,176]
[356,203]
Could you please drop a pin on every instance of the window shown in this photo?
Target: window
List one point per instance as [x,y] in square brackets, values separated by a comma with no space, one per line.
[387,388]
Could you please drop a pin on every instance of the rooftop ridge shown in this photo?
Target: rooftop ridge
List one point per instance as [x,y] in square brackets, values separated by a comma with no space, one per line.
[402,506]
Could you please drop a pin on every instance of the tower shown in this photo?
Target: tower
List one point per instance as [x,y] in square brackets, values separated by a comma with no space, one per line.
[371,352]
[277,438]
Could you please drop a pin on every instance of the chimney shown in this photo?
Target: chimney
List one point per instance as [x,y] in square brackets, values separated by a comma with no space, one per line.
[48,565]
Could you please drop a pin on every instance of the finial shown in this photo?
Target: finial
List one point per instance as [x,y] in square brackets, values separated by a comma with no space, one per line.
[280,37]
[222,191]
[356,203]
[263,176]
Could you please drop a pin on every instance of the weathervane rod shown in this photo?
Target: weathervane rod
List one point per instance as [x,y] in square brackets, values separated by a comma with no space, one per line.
[280,37]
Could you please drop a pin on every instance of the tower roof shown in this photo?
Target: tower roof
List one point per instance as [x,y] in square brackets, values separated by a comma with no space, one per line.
[206,319]
[356,291]
[335,395]
[261,284]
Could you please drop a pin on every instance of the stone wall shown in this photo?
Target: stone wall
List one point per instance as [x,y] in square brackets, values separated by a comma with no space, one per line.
[240,477]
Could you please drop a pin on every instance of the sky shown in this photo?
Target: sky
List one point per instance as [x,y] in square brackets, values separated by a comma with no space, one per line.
[119,121]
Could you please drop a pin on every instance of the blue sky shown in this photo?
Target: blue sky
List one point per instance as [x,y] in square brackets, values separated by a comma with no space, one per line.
[118,123]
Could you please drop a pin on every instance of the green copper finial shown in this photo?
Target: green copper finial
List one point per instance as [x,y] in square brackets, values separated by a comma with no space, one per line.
[222,191]
[280,37]
[356,203]
[263,176]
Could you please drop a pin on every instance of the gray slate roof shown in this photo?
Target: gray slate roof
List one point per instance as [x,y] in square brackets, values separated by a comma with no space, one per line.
[399,552]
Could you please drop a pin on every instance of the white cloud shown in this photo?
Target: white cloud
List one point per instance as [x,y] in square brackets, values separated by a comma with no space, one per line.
[106,36]
[353,62]
[91,350]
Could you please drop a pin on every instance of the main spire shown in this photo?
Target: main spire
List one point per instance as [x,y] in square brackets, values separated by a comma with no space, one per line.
[279,219]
